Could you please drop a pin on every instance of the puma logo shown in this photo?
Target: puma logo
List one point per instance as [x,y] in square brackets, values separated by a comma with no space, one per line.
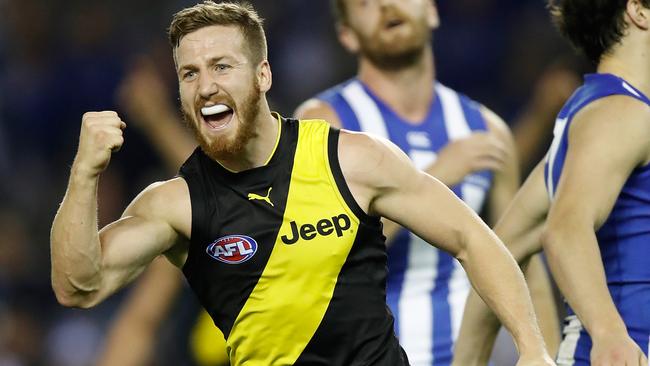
[254,196]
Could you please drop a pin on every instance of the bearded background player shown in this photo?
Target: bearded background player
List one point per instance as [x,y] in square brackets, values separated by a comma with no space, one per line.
[469,148]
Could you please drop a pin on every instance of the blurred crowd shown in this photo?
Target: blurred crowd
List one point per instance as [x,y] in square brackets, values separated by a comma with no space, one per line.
[59,59]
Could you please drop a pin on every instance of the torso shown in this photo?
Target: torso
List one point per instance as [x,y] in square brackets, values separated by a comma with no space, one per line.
[287,265]
[426,287]
[623,239]
[626,232]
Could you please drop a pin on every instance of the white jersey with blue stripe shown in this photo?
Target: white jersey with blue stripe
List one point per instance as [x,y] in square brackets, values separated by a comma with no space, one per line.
[426,287]
[624,238]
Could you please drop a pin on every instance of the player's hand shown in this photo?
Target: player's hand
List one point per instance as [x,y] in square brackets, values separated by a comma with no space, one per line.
[479,151]
[101,135]
[617,351]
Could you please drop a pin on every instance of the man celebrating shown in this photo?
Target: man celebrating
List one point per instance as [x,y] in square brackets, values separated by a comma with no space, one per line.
[294,278]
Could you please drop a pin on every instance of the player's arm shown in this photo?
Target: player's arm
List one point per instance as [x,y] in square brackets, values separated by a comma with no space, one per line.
[506,181]
[607,141]
[318,109]
[89,265]
[520,228]
[144,97]
[385,183]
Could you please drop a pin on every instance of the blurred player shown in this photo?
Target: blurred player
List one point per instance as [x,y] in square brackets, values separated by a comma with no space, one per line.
[465,145]
[292,275]
[595,228]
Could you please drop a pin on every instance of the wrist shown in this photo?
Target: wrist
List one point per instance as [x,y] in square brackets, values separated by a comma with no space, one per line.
[80,173]
[530,346]
[607,329]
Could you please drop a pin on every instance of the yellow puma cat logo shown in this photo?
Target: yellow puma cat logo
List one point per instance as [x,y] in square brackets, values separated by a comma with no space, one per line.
[253,196]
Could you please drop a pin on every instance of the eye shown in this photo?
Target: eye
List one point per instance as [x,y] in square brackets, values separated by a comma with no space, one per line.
[189,75]
[222,67]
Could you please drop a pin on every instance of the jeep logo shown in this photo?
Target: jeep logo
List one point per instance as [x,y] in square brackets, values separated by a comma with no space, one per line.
[323,227]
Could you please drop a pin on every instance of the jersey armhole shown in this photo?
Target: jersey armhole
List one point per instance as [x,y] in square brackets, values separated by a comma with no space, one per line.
[197,209]
[337,174]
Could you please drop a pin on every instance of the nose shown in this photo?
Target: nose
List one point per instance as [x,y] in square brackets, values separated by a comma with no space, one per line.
[207,86]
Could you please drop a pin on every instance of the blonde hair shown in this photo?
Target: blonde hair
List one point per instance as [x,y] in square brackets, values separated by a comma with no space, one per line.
[209,13]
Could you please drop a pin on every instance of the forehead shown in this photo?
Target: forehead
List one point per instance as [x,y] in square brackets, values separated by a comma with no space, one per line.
[211,41]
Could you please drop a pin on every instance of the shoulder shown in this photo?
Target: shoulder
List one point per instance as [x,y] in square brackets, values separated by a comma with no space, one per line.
[496,125]
[610,121]
[167,201]
[370,160]
[315,108]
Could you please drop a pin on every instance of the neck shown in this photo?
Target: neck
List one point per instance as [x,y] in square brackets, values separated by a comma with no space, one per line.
[408,91]
[260,146]
[630,61]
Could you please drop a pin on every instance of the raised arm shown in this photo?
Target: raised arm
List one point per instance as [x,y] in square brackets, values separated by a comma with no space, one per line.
[390,186]
[131,338]
[608,139]
[89,265]
[520,229]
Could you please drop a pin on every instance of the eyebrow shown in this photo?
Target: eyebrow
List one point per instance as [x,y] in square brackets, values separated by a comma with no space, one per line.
[212,61]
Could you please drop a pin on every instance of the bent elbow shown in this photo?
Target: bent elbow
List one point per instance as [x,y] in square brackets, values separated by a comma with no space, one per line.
[75,299]
[552,233]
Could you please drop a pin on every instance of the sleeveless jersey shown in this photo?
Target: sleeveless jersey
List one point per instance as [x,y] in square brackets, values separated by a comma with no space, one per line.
[286,263]
[624,238]
[427,288]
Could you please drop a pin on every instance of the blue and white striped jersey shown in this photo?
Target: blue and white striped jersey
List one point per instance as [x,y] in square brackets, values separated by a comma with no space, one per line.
[426,287]
[624,238]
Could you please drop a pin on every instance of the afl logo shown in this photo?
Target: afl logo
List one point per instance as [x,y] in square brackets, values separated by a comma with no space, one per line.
[232,249]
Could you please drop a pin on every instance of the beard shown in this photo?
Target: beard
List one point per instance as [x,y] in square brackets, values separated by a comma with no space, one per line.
[228,148]
[399,52]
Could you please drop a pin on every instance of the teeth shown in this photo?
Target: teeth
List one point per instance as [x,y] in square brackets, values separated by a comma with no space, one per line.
[215,109]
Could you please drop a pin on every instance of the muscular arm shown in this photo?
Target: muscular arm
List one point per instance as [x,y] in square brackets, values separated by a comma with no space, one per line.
[520,229]
[132,336]
[385,182]
[607,141]
[87,264]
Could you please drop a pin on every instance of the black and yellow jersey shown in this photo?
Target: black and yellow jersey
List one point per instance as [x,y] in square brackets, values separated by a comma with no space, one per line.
[286,263]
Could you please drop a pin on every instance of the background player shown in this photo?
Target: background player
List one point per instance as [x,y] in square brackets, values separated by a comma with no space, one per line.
[595,227]
[465,145]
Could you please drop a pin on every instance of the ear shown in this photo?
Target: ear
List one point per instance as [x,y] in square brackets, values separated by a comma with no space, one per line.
[433,20]
[348,38]
[638,14]
[264,76]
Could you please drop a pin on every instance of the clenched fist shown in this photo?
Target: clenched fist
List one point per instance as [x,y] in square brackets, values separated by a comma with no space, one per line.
[101,135]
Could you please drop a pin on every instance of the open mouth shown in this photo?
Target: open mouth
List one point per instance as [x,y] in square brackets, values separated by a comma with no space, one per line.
[393,23]
[217,116]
